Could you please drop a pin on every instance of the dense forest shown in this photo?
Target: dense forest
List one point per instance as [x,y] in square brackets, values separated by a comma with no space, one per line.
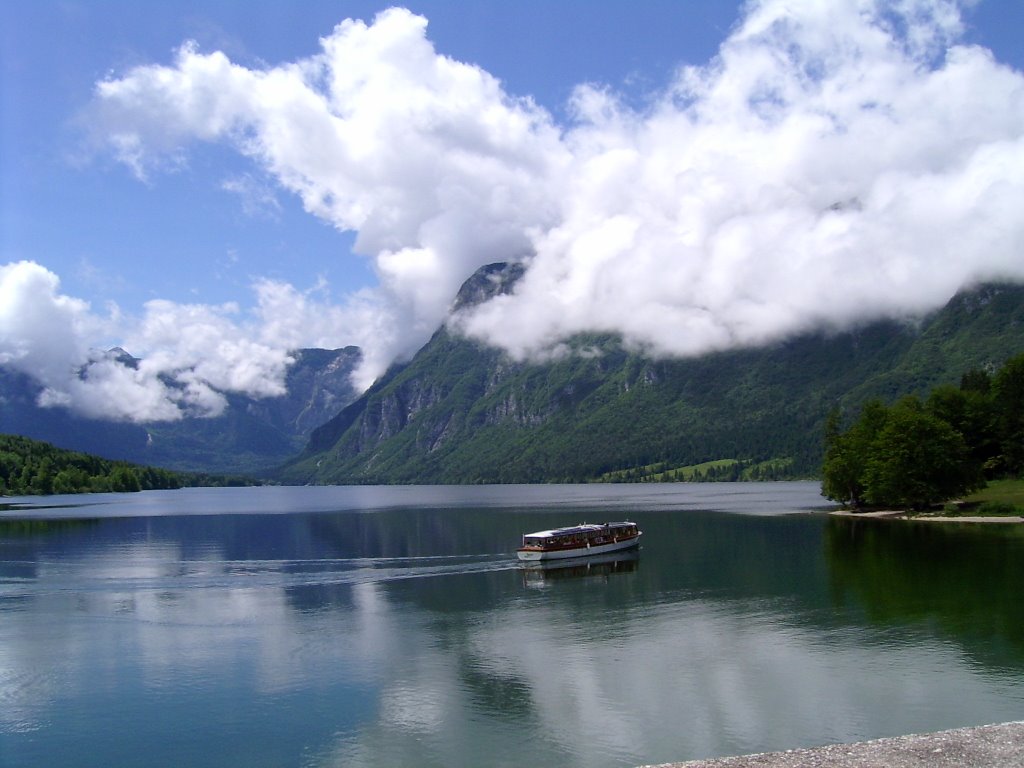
[919,452]
[30,467]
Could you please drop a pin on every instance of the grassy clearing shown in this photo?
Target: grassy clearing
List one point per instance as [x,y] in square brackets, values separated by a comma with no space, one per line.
[708,471]
[1000,498]
[662,472]
[692,471]
[1001,491]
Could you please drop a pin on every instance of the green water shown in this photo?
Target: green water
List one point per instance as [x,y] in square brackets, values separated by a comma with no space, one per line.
[339,627]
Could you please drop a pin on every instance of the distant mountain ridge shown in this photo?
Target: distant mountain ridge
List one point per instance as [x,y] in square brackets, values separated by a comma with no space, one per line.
[460,412]
[251,436]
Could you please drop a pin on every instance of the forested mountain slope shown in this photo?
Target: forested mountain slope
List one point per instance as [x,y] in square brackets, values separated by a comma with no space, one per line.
[460,412]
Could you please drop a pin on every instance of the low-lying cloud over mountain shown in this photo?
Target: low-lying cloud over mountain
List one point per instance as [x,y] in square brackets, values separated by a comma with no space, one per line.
[190,354]
[835,162]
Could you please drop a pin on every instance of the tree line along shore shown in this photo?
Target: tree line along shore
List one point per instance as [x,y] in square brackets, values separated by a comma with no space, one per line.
[30,467]
[921,452]
[913,454]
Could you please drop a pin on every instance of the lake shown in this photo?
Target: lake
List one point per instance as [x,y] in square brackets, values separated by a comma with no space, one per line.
[393,626]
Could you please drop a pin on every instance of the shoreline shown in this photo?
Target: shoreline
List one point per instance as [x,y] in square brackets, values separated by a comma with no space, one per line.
[896,514]
[986,746]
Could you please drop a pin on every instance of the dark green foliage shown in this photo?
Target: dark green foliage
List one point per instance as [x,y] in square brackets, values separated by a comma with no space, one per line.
[971,411]
[976,380]
[463,413]
[30,467]
[917,454]
[917,460]
[847,454]
[1008,395]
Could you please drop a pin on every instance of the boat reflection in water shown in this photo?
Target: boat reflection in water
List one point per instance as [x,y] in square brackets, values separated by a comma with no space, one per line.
[542,574]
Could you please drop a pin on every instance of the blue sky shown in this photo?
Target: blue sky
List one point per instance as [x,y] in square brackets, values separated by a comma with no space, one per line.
[691,175]
[182,236]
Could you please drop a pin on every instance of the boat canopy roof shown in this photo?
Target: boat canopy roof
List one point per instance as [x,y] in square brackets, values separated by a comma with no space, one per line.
[574,529]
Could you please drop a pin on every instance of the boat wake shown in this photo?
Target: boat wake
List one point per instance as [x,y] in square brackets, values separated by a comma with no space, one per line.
[35,578]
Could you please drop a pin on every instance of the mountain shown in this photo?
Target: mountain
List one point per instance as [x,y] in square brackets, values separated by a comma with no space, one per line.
[249,437]
[460,412]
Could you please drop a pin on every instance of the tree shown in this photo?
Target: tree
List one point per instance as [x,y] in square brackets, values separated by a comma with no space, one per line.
[976,380]
[30,467]
[123,479]
[971,412]
[1008,394]
[915,455]
[70,480]
[42,479]
[847,454]
[917,460]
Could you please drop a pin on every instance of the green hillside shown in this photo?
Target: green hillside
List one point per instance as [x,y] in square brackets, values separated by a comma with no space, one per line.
[463,413]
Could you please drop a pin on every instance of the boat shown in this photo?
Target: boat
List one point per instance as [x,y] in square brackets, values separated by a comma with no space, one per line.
[579,541]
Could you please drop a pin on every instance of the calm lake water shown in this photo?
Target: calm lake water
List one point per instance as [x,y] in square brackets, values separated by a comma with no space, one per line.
[394,627]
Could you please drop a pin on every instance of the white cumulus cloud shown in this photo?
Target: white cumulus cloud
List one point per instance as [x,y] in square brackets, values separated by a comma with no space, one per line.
[836,161]
[436,168]
[190,354]
[822,170]
[41,330]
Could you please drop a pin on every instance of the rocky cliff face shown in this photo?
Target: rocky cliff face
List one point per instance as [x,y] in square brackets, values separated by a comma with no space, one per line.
[487,282]
[318,386]
[398,400]
[20,415]
[462,412]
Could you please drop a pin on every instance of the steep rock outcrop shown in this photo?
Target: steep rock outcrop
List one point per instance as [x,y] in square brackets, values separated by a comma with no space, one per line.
[463,412]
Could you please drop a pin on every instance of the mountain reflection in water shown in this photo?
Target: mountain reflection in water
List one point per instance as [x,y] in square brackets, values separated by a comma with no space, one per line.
[387,633]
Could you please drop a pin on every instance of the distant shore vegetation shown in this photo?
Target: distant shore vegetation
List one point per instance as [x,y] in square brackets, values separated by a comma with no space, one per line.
[31,467]
[917,453]
[720,470]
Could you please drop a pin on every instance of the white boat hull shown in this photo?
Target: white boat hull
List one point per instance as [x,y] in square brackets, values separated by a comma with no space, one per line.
[535,555]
